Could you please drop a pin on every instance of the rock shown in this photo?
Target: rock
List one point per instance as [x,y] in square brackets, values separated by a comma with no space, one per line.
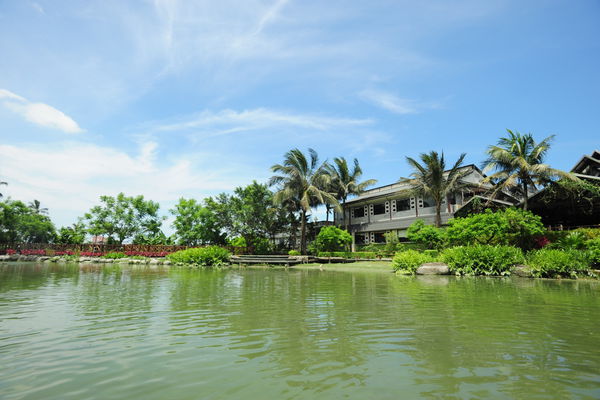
[521,270]
[154,261]
[433,268]
[166,262]
[14,257]
[5,257]
[43,258]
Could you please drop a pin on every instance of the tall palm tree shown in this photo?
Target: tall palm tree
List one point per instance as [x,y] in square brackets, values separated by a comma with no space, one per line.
[431,179]
[302,181]
[519,164]
[2,183]
[35,206]
[345,182]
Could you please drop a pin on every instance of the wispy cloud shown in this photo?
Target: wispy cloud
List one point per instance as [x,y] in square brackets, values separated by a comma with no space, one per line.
[39,113]
[395,104]
[231,121]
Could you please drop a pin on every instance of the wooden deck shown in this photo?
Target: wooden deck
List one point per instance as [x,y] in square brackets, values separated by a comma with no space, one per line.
[265,260]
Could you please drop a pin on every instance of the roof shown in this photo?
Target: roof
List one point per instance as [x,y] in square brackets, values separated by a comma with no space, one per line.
[394,188]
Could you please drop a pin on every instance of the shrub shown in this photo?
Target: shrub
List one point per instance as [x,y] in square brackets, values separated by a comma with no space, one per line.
[408,261]
[504,227]
[593,247]
[204,256]
[293,253]
[331,238]
[426,235]
[114,255]
[552,262]
[571,241]
[482,259]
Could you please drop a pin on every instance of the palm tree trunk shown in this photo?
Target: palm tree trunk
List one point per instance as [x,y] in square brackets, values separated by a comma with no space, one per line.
[525,196]
[438,214]
[303,233]
[344,214]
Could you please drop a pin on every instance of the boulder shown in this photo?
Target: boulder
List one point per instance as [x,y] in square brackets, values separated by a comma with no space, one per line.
[521,270]
[5,257]
[166,262]
[433,268]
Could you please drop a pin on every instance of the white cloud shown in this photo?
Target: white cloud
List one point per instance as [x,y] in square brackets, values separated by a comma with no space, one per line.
[231,121]
[68,178]
[389,101]
[39,113]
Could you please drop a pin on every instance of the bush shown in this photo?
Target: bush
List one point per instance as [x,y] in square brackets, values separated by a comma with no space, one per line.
[505,227]
[347,254]
[571,241]
[552,262]
[426,235]
[211,256]
[482,259]
[114,255]
[408,261]
[593,247]
[293,253]
[331,238]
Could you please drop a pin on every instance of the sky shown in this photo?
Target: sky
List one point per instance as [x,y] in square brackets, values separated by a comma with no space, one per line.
[173,99]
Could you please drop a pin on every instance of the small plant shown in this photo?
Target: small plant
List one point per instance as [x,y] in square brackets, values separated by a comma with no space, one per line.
[408,261]
[553,262]
[482,259]
[114,255]
[211,256]
[573,240]
[425,235]
[293,253]
[593,247]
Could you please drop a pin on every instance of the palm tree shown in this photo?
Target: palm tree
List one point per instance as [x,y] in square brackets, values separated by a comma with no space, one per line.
[345,182]
[519,164]
[303,182]
[431,179]
[35,206]
[2,183]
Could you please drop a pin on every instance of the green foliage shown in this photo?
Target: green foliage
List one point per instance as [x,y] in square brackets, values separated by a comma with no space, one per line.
[553,262]
[391,242]
[293,253]
[238,242]
[347,254]
[20,223]
[331,238]
[408,261]
[573,240]
[74,234]
[503,227]
[426,235]
[593,247]
[482,259]
[115,255]
[121,218]
[196,224]
[211,256]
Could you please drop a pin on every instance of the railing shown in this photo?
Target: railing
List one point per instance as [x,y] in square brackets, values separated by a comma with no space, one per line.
[89,248]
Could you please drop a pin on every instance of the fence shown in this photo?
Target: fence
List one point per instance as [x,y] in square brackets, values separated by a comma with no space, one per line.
[148,250]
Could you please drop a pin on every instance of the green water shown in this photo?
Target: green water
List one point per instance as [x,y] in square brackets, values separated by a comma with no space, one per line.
[71,333]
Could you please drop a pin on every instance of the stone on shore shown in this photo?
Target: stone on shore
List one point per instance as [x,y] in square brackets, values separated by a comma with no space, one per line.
[522,270]
[433,268]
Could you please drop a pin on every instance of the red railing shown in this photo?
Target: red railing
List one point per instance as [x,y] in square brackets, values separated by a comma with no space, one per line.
[95,250]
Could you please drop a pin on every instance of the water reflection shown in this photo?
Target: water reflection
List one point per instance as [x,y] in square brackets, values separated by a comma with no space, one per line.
[293,334]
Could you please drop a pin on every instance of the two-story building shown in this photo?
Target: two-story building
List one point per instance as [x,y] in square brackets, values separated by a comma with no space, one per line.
[394,208]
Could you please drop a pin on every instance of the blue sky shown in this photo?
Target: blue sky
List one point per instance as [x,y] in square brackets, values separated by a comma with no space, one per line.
[192,98]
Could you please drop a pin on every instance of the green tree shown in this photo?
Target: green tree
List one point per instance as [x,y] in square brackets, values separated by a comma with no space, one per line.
[122,217]
[431,179]
[302,181]
[331,238]
[37,208]
[74,234]
[196,224]
[19,224]
[346,182]
[518,162]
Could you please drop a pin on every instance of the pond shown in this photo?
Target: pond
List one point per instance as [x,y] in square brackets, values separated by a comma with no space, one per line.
[90,333]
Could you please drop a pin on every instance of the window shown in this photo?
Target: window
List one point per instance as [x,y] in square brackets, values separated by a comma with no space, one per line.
[378,209]
[428,203]
[359,212]
[360,238]
[403,205]
[379,237]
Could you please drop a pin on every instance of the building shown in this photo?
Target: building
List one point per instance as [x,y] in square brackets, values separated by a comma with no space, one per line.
[562,209]
[393,208]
